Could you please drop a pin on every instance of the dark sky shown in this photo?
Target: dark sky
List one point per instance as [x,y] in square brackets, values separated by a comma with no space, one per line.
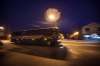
[19,14]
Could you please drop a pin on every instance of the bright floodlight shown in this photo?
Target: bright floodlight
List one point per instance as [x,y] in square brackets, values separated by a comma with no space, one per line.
[52,15]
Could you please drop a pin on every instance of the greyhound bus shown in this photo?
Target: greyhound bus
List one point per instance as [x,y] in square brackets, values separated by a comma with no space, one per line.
[36,36]
[46,38]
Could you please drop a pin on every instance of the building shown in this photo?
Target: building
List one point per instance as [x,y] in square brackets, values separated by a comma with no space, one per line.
[91,28]
[4,33]
[91,31]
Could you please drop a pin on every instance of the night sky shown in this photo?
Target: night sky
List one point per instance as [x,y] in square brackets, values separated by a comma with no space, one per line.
[21,14]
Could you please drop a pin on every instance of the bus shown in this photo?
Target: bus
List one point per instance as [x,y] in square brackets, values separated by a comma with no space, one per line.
[41,36]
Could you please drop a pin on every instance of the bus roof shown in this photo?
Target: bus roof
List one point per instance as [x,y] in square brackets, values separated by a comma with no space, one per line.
[40,31]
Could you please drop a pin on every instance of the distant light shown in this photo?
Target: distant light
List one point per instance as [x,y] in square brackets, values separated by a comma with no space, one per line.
[97,37]
[33,39]
[94,35]
[61,47]
[45,39]
[86,36]
[9,35]
[75,33]
[1,28]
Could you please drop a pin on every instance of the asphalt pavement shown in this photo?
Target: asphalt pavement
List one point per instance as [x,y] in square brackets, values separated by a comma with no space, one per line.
[21,59]
[83,53]
[77,54]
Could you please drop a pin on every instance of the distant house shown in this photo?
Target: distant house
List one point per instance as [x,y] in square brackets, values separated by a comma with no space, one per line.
[91,31]
[91,28]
